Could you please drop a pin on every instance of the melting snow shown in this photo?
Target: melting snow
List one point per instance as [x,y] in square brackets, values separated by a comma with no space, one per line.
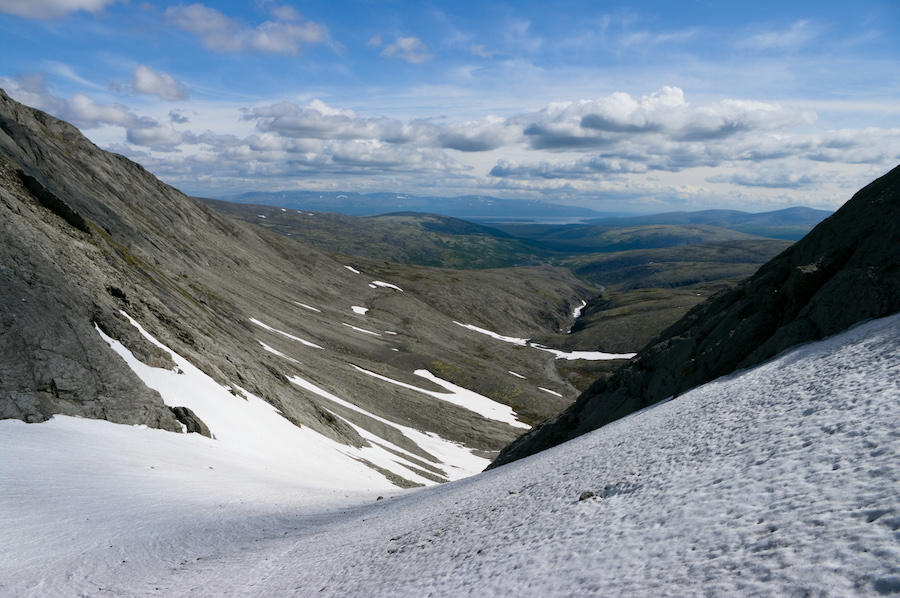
[360,329]
[276,351]
[285,334]
[352,269]
[577,313]
[388,285]
[569,355]
[309,307]
[459,396]
[456,458]
[517,375]
[359,310]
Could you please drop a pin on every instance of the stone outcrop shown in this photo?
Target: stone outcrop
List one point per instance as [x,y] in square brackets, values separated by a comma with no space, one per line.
[844,271]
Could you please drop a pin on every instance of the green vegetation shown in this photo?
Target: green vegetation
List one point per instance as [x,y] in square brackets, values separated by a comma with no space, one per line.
[645,272]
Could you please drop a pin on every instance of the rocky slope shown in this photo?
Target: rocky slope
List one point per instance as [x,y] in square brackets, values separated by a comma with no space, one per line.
[88,236]
[846,270]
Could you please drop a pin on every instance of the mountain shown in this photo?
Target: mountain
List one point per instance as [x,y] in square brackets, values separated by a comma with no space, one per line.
[641,291]
[780,480]
[789,224]
[583,238]
[403,237]
[468,206]
[845,271]
[122,296]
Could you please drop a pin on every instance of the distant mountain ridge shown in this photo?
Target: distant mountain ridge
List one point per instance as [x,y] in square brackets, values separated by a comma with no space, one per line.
[789,224]
[370,204]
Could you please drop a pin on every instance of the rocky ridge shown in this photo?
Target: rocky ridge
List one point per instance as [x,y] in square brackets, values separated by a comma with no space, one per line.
[88,236]
[845,271]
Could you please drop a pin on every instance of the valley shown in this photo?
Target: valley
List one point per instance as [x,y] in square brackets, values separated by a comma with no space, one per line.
[192,390]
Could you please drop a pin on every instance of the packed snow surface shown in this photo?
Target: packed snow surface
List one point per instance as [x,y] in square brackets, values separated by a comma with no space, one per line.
[781,480]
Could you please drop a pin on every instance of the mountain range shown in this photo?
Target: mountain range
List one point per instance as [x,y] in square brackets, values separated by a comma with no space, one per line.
[467,206]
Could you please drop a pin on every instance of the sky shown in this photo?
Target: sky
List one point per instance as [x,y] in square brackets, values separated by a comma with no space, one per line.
[643,106]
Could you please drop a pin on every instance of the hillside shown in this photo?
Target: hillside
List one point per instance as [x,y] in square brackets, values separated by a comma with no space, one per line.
[404,238]
[843,272]
[582,238]
[359,352]
[790,224]
[778,481]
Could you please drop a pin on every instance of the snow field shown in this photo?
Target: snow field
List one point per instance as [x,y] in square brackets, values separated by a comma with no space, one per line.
[777,481]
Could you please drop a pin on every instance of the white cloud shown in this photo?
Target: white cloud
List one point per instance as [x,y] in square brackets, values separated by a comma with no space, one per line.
[316,120]
[410,49]
[221,33]
[591,124]
[587,167]
[491,132]
[772,178]
[148,81]
[157,136]
[51,9]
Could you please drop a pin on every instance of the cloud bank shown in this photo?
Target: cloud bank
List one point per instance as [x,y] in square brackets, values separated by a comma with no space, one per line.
[613,145]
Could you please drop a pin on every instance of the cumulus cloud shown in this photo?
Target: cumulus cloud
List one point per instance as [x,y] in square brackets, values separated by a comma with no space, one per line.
[584,168]
[601,123]
[221,33]
[148,81]
[410,49]
[771,178]
[51,9]
[491,132]
[316,120]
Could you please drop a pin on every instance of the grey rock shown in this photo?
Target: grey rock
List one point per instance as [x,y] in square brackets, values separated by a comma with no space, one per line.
[88,235]
[192,423]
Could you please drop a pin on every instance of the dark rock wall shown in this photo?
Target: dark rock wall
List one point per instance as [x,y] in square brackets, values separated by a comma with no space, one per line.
[844,271]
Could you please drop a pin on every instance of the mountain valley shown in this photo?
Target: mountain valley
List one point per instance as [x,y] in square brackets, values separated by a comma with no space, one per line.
[204,398]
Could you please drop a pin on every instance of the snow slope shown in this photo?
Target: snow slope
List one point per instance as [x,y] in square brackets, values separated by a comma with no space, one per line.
[783,480]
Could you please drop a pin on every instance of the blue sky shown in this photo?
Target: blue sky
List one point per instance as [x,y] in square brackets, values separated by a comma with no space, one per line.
[638,106]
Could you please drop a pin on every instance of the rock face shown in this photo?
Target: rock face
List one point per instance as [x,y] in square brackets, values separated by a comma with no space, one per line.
[844,271]
[192,423]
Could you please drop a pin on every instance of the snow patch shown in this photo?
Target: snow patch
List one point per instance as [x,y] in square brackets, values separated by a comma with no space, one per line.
[276,352]
[360,329]
[568,355]
[309,307]
[460,396]
[388,285]
[285,334]
[352,269]
[359,310]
